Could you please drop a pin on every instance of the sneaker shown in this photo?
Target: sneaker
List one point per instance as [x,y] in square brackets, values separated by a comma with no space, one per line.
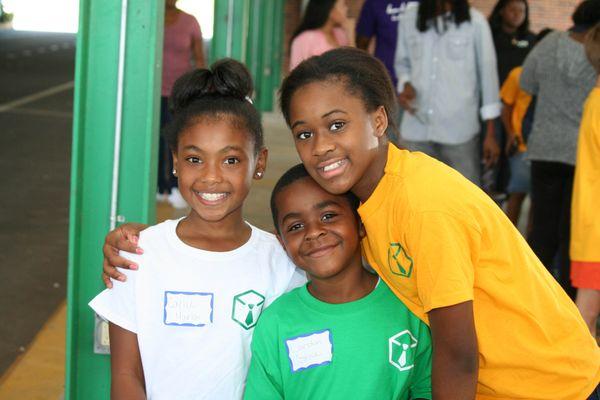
[176,199]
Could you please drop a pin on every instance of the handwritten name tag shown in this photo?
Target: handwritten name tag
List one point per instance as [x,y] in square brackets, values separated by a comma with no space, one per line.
[188,308]
[310,350]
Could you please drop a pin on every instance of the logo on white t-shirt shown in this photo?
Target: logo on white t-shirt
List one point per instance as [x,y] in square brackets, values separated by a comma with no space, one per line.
[401,353]
[247,307]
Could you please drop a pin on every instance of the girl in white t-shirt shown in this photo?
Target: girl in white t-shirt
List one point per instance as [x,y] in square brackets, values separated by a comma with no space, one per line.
[181,324]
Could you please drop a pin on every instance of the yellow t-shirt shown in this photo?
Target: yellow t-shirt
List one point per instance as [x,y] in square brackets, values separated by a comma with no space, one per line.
[438,240]
[511,94]
[585,219]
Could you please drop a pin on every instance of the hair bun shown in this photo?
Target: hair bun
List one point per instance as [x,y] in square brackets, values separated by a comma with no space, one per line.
[225,78]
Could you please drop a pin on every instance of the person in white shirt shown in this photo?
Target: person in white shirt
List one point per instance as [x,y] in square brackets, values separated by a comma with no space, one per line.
[181,323]
[447,79]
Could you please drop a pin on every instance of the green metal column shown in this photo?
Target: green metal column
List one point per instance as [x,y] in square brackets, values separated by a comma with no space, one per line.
[230,29]
[94,126]
[252,31]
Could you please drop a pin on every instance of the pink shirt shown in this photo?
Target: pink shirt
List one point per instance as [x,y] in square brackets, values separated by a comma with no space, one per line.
[312,43]
[177,49]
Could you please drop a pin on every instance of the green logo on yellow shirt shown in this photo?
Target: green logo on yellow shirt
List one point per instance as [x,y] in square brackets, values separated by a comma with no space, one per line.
[399,262]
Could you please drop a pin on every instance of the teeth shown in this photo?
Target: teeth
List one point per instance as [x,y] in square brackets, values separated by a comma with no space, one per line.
[333,166]
[212,196]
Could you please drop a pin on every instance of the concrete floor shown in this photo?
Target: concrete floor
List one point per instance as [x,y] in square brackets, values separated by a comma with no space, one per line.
[35,138]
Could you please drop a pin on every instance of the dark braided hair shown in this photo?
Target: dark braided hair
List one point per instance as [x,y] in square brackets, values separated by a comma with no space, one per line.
[495,19]
[315,16]
[430,9]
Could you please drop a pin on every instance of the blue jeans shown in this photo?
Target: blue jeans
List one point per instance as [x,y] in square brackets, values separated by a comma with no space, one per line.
[520,174]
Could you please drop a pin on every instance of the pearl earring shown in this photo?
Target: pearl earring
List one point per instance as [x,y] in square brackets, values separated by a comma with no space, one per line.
[174,172]
[259,174]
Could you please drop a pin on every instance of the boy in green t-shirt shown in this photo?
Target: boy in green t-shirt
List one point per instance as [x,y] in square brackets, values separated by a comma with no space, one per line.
[344,335]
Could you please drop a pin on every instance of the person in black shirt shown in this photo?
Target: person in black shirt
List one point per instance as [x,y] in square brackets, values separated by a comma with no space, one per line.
[513,40]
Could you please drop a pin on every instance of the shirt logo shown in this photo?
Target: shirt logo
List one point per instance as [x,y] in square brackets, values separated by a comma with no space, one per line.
[401,351]
[395,12]
[247,307]
[399,261]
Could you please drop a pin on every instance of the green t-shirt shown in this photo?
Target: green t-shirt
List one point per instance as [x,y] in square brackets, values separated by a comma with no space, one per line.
[372,348]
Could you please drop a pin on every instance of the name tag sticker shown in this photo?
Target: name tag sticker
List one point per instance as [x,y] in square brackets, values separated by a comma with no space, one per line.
[188,308]
[308,351]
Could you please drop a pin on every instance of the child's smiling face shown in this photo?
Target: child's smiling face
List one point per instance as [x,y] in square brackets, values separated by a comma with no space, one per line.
[336,137]
[215,164]
[319,231]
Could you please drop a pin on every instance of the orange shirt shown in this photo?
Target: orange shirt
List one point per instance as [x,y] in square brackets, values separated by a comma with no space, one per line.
[585,219]
[512,95]
[438,240]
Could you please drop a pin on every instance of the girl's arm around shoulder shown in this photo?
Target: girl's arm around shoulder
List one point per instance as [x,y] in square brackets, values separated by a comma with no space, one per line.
[455,361]
[127,374]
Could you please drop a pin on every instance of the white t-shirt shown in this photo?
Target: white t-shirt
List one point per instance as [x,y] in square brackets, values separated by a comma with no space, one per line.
[194,311]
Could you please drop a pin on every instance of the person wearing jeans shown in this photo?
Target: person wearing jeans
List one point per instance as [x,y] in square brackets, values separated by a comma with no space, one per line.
[447,80]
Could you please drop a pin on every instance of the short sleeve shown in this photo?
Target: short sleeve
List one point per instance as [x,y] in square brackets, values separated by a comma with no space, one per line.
[530,77]
[287,275]
[118,305]
[366,20]
[445,249]
[195,30]
[297,279]
[264,376]
[510,88]
[420,387]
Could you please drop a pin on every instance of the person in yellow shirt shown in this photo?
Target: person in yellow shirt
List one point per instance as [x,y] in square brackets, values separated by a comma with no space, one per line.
[501,326]
[515,103]
[585,219]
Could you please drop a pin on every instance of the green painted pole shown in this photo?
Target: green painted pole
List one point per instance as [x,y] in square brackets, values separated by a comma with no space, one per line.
[278,52]
[230,29]
[94,125]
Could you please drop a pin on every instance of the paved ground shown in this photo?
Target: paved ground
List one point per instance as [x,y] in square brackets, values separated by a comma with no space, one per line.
[35,137]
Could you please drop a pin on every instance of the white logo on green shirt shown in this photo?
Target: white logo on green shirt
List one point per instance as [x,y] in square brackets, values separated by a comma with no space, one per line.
[247,307]
[400,350]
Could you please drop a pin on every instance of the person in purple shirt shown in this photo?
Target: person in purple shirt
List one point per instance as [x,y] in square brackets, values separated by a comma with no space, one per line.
[379,19]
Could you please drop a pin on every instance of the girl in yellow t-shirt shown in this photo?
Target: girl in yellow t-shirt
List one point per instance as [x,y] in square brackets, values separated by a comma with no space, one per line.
[502,327]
